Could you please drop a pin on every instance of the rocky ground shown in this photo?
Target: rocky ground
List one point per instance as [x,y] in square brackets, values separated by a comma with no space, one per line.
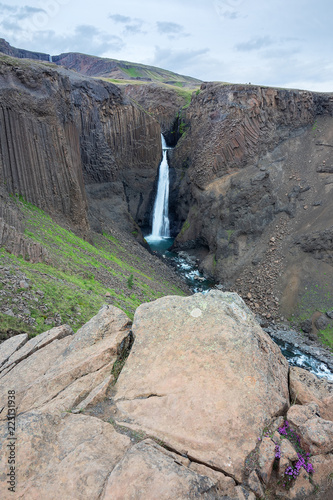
[206,420]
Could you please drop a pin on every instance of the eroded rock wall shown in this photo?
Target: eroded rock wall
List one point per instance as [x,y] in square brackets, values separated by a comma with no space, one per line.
[40,154]
[163,103]
[73,145]
[6,48]
[253,183]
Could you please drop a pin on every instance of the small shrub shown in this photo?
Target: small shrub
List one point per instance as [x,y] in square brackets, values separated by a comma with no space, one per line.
[130,281]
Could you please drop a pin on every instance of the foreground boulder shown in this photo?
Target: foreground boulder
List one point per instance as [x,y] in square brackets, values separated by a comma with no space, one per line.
[61,455]
[305,388]
[57,370]
[195,412]
[153,470]
[203,377]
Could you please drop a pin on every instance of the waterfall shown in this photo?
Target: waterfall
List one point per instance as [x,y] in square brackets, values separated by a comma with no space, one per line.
[50,59]
[161,225]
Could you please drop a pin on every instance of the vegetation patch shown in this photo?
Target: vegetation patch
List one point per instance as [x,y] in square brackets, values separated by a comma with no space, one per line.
[133,72]
[303,461]
[10,326]
[230,232]
[185,227]
[78,277]
[326,336]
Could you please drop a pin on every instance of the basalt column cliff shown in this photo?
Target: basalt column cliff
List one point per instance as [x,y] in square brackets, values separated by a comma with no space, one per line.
[75,146]
[254,184]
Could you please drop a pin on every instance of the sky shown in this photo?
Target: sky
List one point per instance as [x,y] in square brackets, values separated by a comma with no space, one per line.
[283,43]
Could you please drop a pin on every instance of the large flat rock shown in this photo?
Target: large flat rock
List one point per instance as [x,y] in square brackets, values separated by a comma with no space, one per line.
[60,455]
[203,377]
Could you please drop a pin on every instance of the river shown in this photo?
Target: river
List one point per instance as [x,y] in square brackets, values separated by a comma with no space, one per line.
[187,268]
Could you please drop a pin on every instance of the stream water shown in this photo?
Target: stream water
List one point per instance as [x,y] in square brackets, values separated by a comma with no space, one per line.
[296,357]
[183,264]
[160,242]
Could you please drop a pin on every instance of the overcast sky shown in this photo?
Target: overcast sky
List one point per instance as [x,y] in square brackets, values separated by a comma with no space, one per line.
[285,43]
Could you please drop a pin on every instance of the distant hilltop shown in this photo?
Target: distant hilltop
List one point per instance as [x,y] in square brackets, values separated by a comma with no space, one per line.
[7,49]
[103,67]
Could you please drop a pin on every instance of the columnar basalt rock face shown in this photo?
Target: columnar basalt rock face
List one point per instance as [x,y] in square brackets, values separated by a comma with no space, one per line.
[161,102]
[40,155]
[121,151]
[254,188]
[233,125]
[63,135]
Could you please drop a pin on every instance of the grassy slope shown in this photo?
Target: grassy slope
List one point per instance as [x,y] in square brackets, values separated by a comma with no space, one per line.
[78,277]
[135,70]
[180,89]
[127,69]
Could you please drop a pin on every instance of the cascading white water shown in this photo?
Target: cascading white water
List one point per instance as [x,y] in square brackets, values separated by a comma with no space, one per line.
[161,224]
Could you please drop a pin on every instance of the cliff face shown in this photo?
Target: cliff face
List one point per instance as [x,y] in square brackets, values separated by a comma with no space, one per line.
[71,145]
[232,126]
[120,152]
[253,192]
[40,149]
[163,102]
[6,48]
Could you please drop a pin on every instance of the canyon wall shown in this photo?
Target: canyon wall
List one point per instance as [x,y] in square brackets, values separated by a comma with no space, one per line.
[163,103]
[75,146]
[7,49]
[251,175]
[254,188]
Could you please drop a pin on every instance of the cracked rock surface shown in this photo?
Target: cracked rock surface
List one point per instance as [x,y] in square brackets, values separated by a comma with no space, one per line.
[218,376]
[201,383]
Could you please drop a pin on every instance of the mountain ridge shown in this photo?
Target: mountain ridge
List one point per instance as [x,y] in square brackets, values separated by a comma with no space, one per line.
[96,66]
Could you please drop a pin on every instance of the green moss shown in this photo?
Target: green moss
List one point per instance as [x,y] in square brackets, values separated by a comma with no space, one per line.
[185,227]
[326,336]
[13,326]
[230,232]
[131,71]
[182,127]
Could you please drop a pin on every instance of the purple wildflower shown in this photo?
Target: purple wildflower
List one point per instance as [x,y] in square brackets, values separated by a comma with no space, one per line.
[277,451]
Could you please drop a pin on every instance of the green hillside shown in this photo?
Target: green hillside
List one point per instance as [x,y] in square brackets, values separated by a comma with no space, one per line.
[76,279]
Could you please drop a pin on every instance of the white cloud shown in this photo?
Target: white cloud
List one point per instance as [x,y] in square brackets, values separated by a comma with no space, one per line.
[118,18]
[256,43]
